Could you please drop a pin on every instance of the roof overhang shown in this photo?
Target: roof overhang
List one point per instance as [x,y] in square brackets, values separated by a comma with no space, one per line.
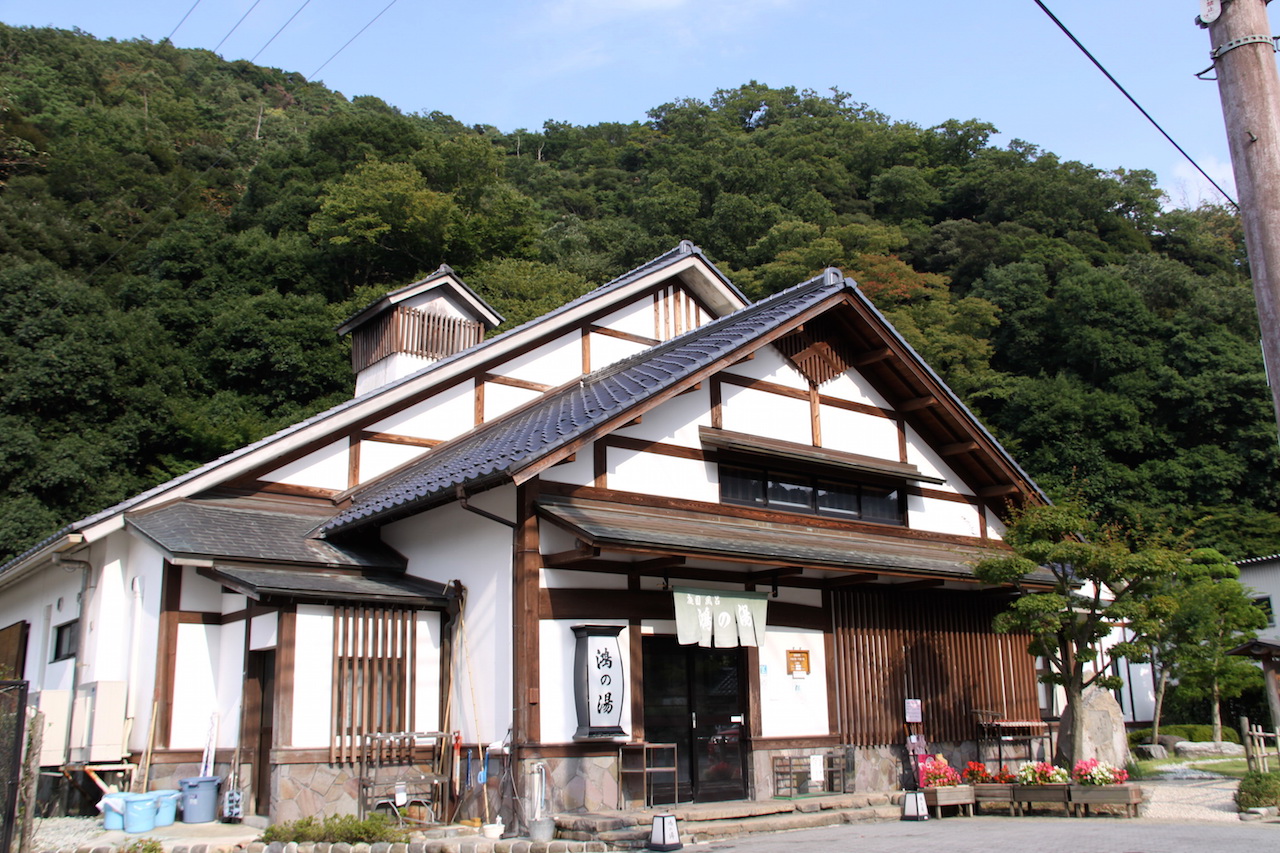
[324,587]
[756,445]
[666,530]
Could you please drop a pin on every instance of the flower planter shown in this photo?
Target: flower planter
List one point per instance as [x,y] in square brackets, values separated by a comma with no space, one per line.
[999,793]
[1083,796]
[951,795]
[1028,794]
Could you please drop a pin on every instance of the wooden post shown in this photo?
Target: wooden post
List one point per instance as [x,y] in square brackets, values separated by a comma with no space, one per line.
[1249,87]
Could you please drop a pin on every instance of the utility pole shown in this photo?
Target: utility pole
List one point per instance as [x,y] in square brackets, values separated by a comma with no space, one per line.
[1244,58]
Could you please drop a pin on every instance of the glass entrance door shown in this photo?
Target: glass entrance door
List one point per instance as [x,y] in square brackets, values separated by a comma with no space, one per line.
[696,699]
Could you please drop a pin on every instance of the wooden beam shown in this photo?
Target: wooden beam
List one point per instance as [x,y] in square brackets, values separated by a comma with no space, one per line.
[773,574]
[657,563]
[567,558]
[872,356]
[998,491]
[917,404]
[920,584]
[851,580]
[958,448]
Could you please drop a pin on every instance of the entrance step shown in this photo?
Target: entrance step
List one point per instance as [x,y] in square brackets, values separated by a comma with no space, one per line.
[629,830]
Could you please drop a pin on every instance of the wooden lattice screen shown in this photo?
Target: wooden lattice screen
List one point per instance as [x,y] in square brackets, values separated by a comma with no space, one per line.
[408,330]
[934,646]
[374,682]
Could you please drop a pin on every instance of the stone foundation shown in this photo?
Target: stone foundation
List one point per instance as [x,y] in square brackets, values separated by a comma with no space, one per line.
[578,784]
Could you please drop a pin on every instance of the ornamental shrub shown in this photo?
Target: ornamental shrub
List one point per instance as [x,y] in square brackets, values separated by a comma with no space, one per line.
[334,829]
[1258,789]
[1198,733]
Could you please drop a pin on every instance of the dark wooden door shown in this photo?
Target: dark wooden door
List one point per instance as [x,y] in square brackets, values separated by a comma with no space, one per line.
[259,728]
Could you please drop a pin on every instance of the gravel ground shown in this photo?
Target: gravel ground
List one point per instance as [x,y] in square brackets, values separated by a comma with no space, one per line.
[57,833]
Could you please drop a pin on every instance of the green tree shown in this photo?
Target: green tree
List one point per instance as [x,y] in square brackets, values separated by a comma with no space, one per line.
[1098,582]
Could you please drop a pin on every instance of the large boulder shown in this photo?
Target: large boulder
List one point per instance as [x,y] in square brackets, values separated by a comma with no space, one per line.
[1150,750]
[1104,733]
[1201,749]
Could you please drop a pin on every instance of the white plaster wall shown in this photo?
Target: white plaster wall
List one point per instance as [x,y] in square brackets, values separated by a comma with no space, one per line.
[447,543]
[790,706]
[499,399]
[230,685]
[446,414]
[379,457]
[605,350]
[771,366]
[440,301]
[852,386]
[1264,579]
[264,632]
[389,369]
[940,516]
[45,600]
[579,472]
[761,413]
[676,421]
[553,363]
[195,680]
[233,602]
[920,454]
[655,474]
[325,468]
[556,650]
[144,582]
[634,319]
[995,527]
[199,594]
[792,595]
[313,656]
[858,432]
[426,707]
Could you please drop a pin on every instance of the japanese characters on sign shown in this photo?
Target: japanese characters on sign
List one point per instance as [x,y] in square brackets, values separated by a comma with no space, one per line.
[599,682]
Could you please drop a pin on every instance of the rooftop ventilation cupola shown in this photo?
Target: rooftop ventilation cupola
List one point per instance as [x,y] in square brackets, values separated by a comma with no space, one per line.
[410,328]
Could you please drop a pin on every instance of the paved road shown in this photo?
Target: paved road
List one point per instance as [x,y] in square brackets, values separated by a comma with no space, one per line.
[1001,834]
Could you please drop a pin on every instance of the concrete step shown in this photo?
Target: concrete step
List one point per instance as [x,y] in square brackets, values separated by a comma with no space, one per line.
[701,822]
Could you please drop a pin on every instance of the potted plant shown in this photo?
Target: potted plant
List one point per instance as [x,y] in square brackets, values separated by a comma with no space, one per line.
[943,787]
[1097,783]
[990,787]
[1040,782]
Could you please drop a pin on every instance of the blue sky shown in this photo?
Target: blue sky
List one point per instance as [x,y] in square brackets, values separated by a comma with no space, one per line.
[517,64]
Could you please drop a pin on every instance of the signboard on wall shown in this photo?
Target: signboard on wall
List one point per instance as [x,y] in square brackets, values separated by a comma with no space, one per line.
[914,714]
[599,681]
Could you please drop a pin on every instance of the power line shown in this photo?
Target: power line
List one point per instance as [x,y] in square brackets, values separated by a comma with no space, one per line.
[350,40]
[279,31]
[169,38]
[1133,101]
[237,26]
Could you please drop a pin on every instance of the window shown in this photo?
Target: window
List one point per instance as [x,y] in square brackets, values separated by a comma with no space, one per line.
[811,494]
[65,639]
[1263,603]
[373,666]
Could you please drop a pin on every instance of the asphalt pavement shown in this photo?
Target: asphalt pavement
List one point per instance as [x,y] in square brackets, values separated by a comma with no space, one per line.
[1002,834]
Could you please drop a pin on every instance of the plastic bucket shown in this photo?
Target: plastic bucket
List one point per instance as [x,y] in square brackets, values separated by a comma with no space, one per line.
[112,807]
[199,798]
[167,807]
[140,812]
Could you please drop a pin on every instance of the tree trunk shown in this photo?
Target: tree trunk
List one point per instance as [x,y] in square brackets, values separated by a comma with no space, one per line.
[1159,709]
[1217,714]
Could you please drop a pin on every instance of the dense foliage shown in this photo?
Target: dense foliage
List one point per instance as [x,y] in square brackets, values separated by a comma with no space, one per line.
[179,236]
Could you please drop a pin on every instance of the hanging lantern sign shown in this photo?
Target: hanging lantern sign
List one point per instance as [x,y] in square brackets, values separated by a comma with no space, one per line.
[599,682]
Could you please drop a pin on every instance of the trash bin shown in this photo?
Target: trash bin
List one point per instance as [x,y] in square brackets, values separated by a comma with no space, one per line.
[166,806]
[112,808]
[199,798]
[140,812]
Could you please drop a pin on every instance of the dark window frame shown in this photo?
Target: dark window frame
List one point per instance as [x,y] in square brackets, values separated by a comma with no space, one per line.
[66,640]
[1263,603]
[816,482]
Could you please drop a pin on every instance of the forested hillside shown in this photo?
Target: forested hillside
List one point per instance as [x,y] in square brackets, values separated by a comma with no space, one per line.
[180,235]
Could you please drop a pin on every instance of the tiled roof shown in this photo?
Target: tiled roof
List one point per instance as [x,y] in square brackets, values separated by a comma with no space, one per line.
[495,451]
[319,586]
[246,530]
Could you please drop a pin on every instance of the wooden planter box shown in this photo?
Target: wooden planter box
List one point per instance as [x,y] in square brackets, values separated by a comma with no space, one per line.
[1083,796]
[952,795]
[999,793]
[1028,794]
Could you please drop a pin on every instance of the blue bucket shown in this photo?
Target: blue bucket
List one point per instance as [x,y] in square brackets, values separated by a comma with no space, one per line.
[167,807]
[140,812]
[112,807]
